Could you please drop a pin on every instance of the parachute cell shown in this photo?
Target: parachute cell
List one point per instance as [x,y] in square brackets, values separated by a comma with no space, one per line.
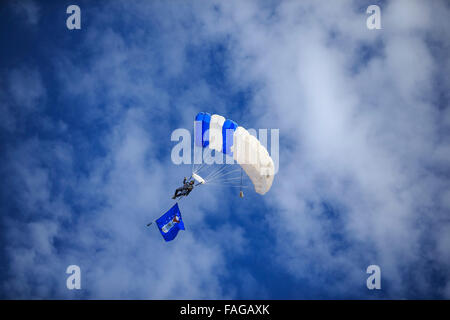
[201,127]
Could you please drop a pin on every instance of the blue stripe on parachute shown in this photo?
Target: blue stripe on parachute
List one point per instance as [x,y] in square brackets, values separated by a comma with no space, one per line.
[229,126]
[202,122]
[202,125]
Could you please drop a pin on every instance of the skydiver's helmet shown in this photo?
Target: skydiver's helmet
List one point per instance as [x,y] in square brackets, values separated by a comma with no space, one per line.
[191,182]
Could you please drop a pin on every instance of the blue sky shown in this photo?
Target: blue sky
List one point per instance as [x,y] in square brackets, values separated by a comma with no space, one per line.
[85,162]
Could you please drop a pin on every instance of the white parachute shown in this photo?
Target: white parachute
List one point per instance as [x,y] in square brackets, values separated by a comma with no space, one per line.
[225,136]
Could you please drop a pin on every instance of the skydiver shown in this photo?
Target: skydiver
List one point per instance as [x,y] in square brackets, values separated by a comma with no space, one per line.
[185,189]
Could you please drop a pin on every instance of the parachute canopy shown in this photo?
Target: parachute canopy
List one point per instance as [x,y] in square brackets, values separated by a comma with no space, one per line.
[224,135]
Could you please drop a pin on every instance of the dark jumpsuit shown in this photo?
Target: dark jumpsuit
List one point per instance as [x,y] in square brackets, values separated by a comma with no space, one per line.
[184,190]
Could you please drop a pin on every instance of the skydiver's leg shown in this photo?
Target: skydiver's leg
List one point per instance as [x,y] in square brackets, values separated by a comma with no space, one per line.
[177,193]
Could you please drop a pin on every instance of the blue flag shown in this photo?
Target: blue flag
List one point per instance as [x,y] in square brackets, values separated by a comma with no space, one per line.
[170,223]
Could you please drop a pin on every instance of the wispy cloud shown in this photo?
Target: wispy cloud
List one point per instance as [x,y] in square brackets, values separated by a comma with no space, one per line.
[28,9]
